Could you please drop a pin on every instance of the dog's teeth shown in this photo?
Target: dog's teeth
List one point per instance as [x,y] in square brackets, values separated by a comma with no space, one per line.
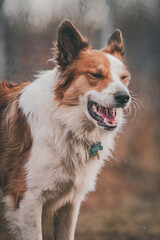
[105,120]
[94,108]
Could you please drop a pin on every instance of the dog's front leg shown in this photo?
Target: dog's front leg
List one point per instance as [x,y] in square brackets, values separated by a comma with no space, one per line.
[30,217]
[65,220]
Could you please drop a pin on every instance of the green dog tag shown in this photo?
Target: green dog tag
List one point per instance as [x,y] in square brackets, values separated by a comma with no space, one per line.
[95,148]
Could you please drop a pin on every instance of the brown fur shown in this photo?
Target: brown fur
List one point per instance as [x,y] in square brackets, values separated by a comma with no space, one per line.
[125,77]
[77,79]
[15,142]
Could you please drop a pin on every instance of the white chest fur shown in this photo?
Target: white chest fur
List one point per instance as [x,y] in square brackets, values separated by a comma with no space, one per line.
[62,170]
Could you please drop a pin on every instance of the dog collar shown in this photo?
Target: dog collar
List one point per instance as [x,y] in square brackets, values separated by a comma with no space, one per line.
[95,148]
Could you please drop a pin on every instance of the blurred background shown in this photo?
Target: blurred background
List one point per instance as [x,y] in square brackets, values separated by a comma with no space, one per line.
[126,203]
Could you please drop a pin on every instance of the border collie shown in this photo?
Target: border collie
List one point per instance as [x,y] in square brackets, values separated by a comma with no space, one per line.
[56,133]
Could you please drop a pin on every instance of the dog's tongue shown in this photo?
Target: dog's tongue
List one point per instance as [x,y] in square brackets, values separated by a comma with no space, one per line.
[107,113]
[111,116]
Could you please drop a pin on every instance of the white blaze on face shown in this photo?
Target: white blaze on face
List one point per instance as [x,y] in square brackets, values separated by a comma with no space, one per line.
[117,69]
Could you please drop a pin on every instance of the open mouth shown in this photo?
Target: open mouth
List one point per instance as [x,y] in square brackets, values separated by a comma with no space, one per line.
[105,117]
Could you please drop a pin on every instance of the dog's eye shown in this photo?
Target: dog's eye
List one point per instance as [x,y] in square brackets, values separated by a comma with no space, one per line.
[96,75]
[124,77]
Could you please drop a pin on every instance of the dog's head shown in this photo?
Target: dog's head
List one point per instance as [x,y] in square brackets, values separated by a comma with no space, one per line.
[92,81]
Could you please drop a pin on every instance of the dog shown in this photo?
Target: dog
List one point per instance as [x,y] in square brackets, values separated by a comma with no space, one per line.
[57,132]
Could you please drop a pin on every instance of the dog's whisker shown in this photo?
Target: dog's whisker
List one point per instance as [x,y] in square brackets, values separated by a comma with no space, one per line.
[136,104]
[129,110]
[134,107]
[135,97]
[140,102]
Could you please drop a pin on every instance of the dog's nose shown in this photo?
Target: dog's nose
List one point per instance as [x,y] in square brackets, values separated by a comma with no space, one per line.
[121,97]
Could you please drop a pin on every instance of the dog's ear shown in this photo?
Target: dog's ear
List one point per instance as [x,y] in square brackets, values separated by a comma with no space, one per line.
[69,43]
[115,45]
